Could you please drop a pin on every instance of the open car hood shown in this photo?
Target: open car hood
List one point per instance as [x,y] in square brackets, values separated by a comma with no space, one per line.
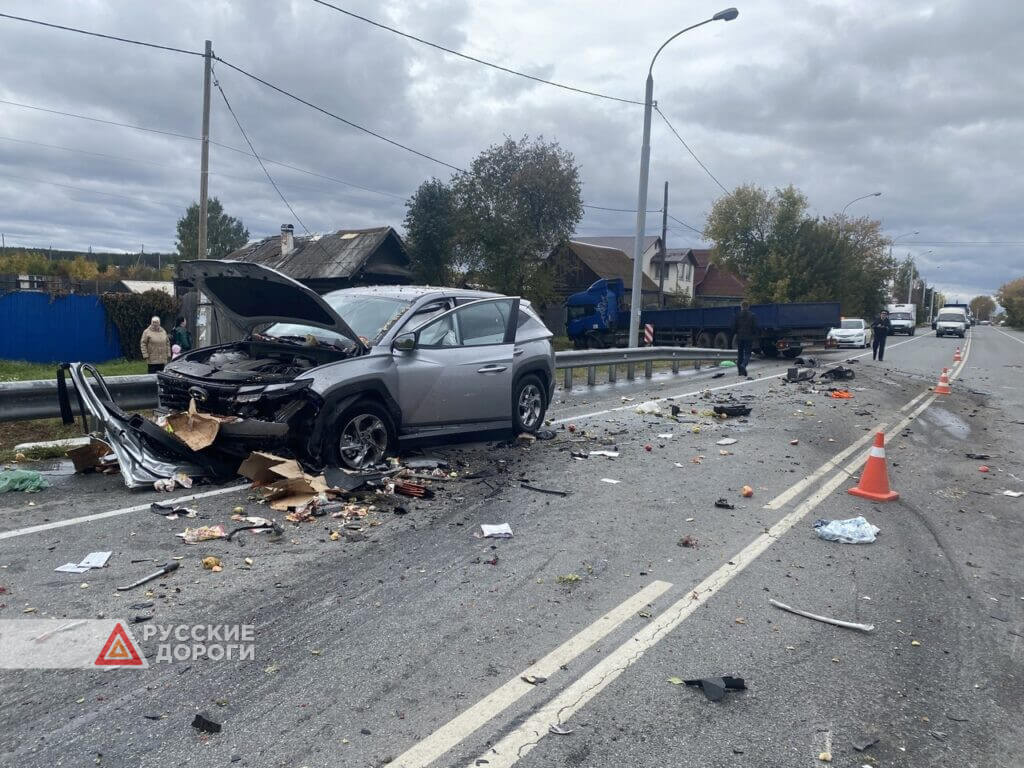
[251,294]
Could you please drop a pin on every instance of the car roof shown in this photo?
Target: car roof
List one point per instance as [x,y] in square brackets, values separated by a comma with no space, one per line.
[412,292]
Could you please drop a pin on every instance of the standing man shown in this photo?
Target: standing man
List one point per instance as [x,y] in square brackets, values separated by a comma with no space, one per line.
[880,329]
[156,345]
[744,329]
[181,336]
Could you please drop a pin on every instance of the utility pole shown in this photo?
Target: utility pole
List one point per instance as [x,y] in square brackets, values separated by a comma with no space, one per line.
[205,164]
[664,248]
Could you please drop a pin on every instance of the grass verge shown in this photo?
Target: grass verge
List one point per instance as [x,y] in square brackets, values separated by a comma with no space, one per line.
[21,370]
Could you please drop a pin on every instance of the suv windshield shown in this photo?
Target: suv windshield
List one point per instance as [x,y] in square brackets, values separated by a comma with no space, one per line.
[369,316]
[858,324]
[951,317]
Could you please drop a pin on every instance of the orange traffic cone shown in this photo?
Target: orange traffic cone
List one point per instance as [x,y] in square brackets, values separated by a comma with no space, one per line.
[874,480]
[942,388]
[956,356]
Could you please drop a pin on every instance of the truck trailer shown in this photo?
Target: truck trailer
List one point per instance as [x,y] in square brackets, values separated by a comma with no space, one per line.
[597,318]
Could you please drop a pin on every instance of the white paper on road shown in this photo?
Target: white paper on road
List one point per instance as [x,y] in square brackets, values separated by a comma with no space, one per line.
[500,531]
[727,441]
[90,561]
[96,559]
[665,435]
[1013,494]
[72,568]
[609,454]
[609,480]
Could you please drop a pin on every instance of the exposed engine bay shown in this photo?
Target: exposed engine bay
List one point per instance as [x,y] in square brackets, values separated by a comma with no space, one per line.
[256,361]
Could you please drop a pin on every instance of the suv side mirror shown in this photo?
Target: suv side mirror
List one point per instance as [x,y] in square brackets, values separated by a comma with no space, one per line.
[405,342]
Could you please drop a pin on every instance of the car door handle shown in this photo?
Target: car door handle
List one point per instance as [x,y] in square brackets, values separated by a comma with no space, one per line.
[518,352]
[492,369]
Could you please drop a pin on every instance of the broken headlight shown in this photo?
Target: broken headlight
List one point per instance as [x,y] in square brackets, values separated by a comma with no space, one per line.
[285,389]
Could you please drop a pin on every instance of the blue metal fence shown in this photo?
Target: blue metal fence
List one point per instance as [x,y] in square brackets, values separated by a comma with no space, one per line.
[38,328]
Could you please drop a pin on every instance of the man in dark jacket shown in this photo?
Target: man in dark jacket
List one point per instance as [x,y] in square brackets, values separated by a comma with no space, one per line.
[880,330]
[744,329]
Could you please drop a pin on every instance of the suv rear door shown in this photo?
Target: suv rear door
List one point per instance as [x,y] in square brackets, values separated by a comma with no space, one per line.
[461,369]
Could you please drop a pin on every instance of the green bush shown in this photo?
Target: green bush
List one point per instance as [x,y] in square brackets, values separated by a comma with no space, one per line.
[130,313]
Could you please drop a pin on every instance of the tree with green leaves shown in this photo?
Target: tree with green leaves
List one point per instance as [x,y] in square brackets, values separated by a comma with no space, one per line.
[518,201]
[1011,296]
[784,255]
[982,307]
[224,233]
[430,228]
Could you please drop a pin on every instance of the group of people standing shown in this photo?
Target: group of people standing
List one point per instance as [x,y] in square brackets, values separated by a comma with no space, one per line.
[159,347]
[745,331]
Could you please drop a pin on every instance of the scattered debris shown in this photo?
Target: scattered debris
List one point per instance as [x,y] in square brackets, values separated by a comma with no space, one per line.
[839,373]
[90,561]
[164,570]
[202,722]
[746,491]
[826,619]
[799,374]
[425,462]
[95,456]
[533,679]
[825,757]
[610,481]
[525,438]
[724,504]
[1013,494]
[172,512]
[915,643]
[688,542]
[978,456]
[559,730]
[794,442]
[202,533]
[841,394]
[568,578]
[864,742]
[651,407]
[983,468]
[415,490]
[732,410]
[715,687]
[727,441]
[211,563]
[545,434]
[855,530]
[665,436]
[550,491]
[606,454]
[26,480]
[500,531]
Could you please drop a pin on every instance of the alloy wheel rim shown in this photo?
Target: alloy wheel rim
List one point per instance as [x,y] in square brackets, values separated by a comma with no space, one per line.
[530,406]
[364,441]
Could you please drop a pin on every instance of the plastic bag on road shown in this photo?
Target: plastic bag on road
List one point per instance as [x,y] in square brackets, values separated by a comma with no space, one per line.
[856,530]
[26,480]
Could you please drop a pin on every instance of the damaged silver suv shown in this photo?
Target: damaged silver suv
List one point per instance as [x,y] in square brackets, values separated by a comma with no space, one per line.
[343,379]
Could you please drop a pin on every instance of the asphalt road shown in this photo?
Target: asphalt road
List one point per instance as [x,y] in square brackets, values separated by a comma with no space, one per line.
[406,642]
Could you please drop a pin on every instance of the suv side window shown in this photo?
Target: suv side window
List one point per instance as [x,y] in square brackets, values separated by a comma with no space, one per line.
[472,325]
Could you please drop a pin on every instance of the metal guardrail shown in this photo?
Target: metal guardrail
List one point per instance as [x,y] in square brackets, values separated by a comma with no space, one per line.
[23,400]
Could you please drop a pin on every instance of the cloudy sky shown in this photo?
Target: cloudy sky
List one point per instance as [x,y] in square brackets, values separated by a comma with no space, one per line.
[922,101]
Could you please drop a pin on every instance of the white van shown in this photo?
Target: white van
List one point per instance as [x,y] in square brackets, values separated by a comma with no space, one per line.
[951,321]
[903,318]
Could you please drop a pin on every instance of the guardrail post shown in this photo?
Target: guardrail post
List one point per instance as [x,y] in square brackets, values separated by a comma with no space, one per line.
[567,380]
[675,366]
[613,373]
[648,369]
[630,371]
[591,375]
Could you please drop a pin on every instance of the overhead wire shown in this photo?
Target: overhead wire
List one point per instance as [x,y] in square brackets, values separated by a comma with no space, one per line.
[692,153]
[683,223]
[4,174]
[474,59]
[255,154]
[101,35]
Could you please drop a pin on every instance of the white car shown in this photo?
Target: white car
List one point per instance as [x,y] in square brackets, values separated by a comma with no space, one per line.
[951,322]
[851,333]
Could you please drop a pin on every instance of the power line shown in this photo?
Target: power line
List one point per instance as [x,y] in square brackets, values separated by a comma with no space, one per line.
[474,59]
[620,210]
[77,189]
[680,221]
[327,112]
[681,141]
[99,34]
[255,154]
[196,138]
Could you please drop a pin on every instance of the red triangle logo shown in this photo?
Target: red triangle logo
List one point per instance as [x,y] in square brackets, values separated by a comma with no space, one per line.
[120,650]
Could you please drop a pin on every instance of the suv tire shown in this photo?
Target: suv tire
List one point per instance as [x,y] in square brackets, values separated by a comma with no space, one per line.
[362,436]
[528,404]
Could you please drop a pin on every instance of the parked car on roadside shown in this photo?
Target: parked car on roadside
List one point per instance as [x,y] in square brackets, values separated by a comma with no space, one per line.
[345,378]
[852,332]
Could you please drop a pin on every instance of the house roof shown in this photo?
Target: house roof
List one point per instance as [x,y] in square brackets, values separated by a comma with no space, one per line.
[717,282]
[623,244]
[337,254]
[609,263]
[141,286]
[674,255]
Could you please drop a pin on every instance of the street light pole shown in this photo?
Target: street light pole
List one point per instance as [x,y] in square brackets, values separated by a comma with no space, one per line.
[862,197]
[635,299]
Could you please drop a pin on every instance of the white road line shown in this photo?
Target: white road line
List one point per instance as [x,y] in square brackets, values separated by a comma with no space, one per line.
[557,711]
[1007,335]
[178,501]
[450,734]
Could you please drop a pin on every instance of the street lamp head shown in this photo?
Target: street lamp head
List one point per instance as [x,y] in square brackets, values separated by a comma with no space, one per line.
[877,194]
[727,15]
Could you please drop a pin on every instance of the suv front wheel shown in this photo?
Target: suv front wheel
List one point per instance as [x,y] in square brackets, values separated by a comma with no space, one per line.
[363,436]
[528,404]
